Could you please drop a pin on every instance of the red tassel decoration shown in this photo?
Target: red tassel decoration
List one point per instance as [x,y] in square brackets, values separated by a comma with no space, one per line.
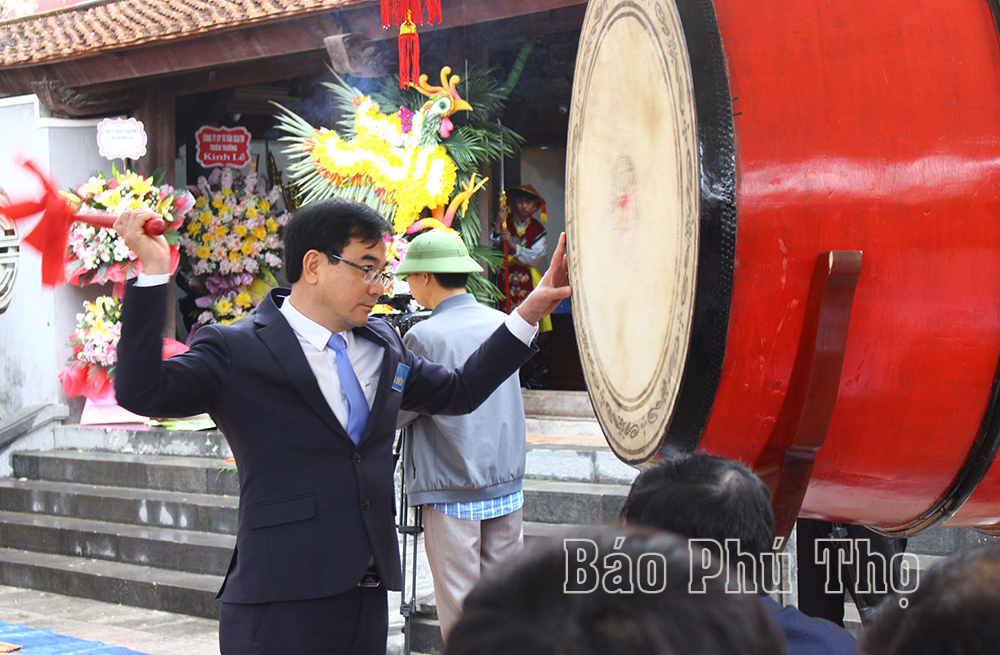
[409,54]
[392,12]
[414,11]
[433,11]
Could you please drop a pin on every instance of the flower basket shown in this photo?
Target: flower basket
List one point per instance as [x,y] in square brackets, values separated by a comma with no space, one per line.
[231,245]
[90,370]
[99,255]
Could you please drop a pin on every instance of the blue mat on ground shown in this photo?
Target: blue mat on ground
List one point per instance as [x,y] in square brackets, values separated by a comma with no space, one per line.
[46,642]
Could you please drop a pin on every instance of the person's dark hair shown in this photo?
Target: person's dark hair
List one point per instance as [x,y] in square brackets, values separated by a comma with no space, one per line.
[953,610]
[328,226]
[702,496]
[452,280]
[521,607]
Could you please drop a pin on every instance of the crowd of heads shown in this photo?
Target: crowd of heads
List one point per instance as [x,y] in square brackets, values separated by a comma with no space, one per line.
[953,611]
[523,607]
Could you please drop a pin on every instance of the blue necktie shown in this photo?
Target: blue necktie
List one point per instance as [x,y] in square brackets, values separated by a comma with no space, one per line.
[357,404]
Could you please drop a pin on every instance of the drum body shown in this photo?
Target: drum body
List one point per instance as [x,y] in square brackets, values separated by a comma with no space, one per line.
[816,126]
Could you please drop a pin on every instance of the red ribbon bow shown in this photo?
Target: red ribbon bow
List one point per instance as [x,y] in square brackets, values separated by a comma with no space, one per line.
[51,234]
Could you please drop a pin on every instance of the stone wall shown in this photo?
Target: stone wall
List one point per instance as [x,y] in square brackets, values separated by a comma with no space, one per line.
[35,327]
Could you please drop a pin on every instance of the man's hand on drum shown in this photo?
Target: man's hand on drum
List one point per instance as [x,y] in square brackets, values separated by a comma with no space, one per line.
[153,252]
[551,290]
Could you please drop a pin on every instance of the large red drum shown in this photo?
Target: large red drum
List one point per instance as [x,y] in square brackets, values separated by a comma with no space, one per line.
[717,149]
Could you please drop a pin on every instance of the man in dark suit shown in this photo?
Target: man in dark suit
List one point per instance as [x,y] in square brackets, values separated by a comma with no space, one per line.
[307,392]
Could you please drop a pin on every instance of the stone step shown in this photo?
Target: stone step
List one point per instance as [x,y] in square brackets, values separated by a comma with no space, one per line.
[192,594]
[570,429]
[142,507]
[539,531]
[576,463]
[558,404]
[197,476]
[164,472]
[162,548]
[425,635]
[205,475]
[573,503]
[141,440]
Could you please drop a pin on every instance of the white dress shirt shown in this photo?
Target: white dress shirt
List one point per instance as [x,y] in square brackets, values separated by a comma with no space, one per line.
[366,356]
[366,359]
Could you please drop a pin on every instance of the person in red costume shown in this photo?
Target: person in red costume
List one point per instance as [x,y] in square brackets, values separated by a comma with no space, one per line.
[524,237]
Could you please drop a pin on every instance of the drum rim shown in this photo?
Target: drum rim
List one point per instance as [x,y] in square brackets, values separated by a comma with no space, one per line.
[717,228]
[701,370]
[630,415]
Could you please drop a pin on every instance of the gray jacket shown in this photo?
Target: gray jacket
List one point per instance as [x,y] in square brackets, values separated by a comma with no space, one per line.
[477,456]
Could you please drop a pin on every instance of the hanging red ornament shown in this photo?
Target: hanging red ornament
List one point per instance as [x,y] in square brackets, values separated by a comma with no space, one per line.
[413,11]
[409,53]
[433,11]
[395,11]
[391,13]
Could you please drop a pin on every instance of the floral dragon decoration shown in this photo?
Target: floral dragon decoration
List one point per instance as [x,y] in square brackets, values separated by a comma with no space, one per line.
[394,163]
[414,166]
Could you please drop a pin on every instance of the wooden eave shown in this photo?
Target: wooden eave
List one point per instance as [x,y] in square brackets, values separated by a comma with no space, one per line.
[267,44]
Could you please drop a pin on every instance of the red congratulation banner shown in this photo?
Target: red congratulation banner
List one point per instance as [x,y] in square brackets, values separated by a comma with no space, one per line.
[222,146]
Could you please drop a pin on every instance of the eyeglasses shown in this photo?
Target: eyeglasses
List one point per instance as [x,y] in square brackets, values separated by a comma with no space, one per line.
[371,274]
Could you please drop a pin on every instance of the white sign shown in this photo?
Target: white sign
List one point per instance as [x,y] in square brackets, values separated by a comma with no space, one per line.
[119,138]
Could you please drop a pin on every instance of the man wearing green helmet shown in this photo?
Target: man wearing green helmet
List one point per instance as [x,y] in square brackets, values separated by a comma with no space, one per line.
[466,470]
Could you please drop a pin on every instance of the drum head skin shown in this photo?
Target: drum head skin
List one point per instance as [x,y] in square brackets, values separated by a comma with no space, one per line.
[633,209]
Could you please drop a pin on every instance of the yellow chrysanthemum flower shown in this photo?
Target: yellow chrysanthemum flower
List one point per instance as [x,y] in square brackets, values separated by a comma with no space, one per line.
[221,231]
[208,237]
[201,202]
[227,321]
[206,217]
[243,300]
[204,252]
[247,248]
[194,228]
[234,256]
[272,225]
[264,205]
[218,203]
[227,192]
[260,232]
[224,307]
[252,212]
[241,230]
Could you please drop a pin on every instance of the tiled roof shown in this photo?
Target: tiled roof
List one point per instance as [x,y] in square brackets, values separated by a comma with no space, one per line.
[93,28]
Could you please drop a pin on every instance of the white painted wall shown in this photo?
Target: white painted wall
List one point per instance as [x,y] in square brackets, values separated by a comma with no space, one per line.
[38,322]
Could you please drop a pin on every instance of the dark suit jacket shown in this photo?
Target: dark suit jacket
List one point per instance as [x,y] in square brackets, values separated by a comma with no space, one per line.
[806,635]
[314,508]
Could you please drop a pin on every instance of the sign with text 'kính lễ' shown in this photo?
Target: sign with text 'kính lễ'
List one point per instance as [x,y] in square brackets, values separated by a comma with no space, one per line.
[222,146]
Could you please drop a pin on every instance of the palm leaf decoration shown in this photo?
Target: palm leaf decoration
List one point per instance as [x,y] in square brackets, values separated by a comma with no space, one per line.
[397,164]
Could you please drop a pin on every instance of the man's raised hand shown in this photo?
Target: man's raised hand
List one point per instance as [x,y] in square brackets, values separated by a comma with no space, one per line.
[153,252]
